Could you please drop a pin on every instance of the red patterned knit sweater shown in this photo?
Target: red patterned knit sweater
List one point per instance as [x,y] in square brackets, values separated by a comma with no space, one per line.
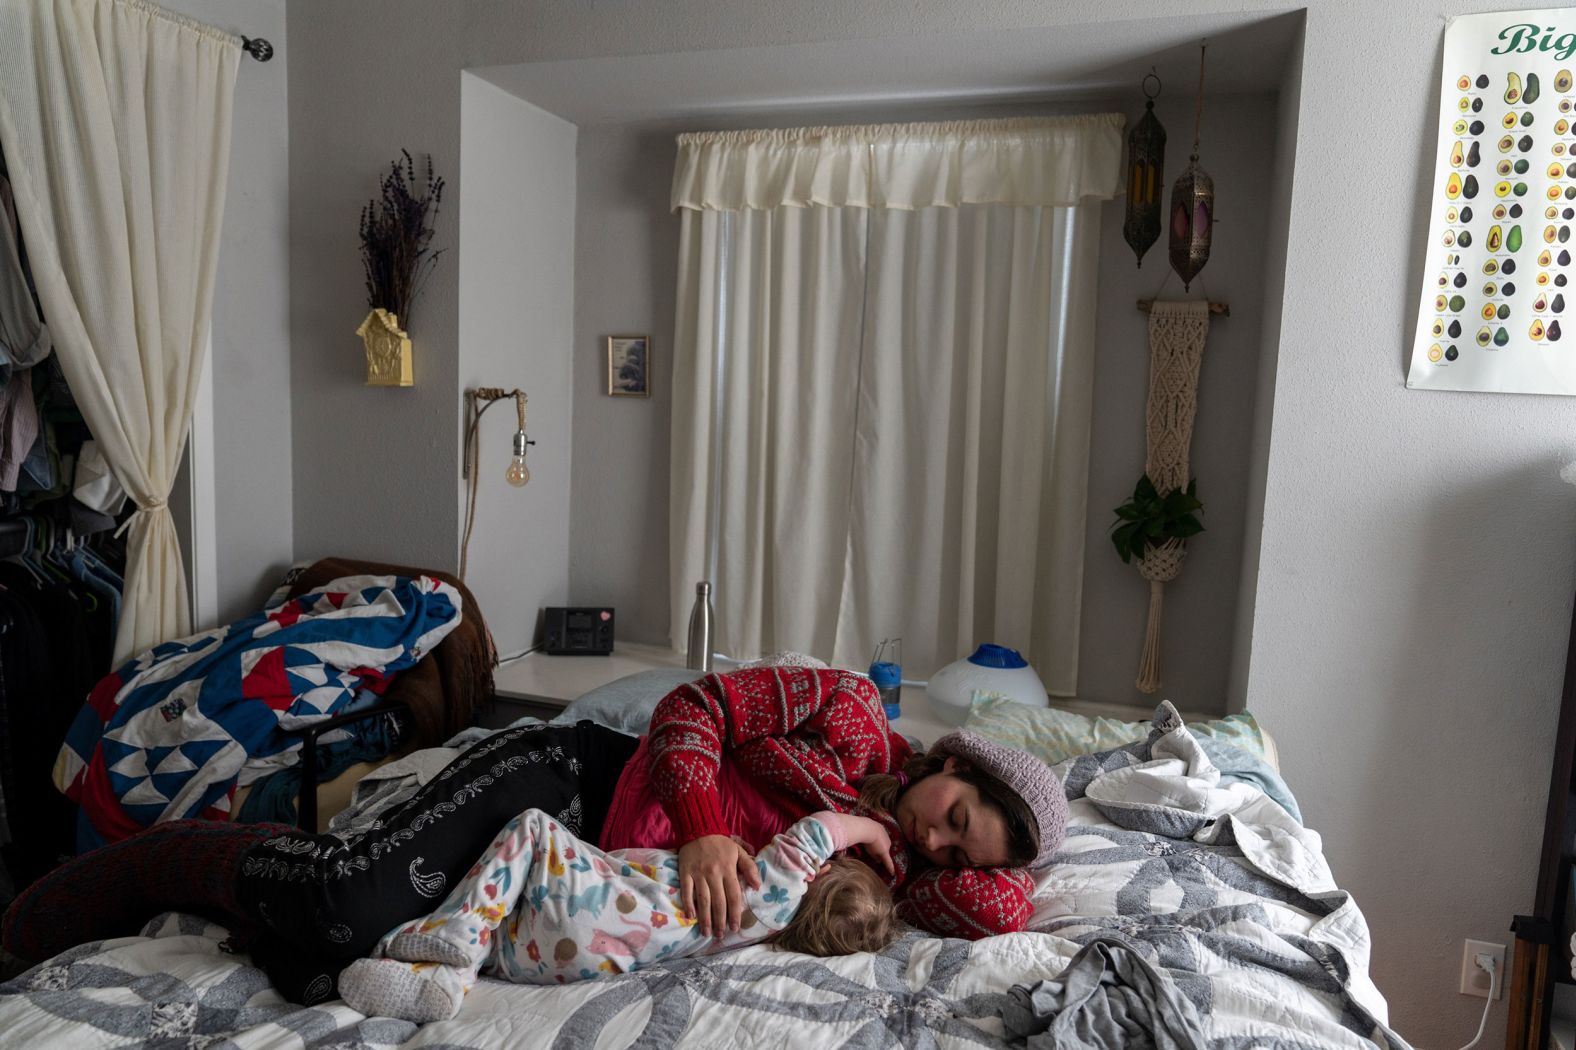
[806,738]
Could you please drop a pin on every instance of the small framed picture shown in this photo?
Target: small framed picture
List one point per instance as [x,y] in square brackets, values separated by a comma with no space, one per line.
[629,365]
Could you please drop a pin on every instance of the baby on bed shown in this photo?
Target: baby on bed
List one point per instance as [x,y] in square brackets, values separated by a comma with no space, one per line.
[542,906]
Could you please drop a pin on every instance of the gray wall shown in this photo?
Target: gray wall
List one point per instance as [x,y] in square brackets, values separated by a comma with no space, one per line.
[517,295]
[1417,564]
[251,320]
[626,254]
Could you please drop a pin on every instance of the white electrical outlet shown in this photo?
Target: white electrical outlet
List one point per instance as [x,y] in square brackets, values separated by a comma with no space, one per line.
[1474,979]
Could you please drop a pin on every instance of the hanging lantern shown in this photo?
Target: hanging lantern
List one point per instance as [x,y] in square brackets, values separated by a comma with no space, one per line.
[1146,162]
[1192,204]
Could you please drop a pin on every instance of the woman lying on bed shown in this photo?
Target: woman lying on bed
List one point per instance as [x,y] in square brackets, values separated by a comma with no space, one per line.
[745,754]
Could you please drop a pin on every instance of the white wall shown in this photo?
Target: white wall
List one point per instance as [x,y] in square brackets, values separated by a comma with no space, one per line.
[517,295]
[1417,563]
[251,320]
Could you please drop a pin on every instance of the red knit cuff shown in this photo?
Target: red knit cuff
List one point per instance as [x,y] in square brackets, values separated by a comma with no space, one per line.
[696,814]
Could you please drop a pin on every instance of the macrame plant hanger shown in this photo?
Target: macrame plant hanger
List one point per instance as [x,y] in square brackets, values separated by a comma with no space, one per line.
[1177,331]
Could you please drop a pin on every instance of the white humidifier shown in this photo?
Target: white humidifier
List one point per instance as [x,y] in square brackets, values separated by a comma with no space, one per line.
[994,668]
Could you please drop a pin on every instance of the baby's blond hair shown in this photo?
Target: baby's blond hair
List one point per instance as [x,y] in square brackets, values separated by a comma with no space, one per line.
[847,909]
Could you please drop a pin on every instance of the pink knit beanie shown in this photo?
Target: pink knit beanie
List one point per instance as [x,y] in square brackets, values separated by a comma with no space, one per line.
[1030,778]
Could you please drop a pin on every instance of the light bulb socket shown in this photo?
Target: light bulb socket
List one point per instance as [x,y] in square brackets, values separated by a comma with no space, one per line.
[520,442]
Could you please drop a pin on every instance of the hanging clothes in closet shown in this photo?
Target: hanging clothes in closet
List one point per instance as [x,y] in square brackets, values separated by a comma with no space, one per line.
[61,569]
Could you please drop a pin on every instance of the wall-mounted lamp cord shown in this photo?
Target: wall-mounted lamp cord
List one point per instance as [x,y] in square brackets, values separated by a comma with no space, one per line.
[1486,962]
[478,401]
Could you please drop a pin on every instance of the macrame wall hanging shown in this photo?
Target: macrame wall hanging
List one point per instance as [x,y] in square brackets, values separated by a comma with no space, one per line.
[1153,527]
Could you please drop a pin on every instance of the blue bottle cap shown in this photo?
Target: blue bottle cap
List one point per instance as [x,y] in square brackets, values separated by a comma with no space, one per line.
[886,675]
[997,656]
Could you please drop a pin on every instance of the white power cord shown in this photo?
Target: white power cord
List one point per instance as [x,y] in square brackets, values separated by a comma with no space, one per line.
[1485,961]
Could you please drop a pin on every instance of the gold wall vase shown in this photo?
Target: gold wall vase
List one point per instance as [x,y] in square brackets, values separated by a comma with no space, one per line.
[388,350]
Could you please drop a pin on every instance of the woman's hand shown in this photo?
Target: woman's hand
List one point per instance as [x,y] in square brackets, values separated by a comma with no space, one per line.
[710,871]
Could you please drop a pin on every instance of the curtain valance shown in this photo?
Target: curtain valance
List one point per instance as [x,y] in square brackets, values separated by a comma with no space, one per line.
[1034,161]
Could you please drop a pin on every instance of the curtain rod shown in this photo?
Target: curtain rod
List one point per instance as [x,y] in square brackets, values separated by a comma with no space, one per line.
[258,48]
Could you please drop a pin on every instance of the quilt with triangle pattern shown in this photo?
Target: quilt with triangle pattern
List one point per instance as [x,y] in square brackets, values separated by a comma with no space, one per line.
[173,732]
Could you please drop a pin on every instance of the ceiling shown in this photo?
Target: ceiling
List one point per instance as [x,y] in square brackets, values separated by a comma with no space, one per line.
[1247,53]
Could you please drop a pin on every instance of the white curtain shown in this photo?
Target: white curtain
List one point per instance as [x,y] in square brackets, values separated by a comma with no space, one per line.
[115,124]
[883,377]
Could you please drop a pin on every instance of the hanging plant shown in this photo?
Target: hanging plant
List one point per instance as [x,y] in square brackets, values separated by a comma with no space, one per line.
[397,258]
[1151,520]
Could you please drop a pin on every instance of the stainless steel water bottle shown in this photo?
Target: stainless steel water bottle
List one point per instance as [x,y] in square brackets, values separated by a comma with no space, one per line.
[700,629]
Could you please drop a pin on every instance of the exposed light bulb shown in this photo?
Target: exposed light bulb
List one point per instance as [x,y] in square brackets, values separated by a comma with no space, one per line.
[518,473]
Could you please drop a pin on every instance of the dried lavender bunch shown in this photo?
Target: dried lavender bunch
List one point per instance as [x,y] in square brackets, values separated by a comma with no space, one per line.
[396,234]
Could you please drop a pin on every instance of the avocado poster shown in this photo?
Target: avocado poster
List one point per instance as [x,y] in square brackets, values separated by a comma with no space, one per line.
[1498,306]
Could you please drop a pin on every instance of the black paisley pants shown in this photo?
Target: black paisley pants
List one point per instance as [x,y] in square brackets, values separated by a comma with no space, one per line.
[324,901]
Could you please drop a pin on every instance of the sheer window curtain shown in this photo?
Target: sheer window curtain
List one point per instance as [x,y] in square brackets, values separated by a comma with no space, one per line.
[115,122]
[883,374]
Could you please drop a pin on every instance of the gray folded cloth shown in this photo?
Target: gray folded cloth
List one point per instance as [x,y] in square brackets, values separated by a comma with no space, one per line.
[1109,996]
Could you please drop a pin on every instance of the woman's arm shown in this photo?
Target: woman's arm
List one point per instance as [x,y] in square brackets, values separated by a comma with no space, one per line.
[696,723]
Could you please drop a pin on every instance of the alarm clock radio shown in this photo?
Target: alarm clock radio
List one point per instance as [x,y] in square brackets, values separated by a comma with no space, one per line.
[577,631]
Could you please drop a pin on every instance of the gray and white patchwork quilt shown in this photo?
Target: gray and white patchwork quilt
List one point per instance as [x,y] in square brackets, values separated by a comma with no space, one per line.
[1211,889]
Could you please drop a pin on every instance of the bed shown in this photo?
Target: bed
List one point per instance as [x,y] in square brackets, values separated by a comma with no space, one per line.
[1173,862]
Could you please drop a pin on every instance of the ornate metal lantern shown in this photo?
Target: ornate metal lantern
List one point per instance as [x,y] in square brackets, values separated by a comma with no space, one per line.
[1192,204]
[1146,162]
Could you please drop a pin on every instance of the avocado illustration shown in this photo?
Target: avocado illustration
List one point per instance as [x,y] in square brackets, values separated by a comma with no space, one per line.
[1553,195]
[1565,105]
[1456,303]
[1499,211]
[1570,193]
[1508,120]
[1513,239]
[1457,155]
[1459,127]
[1501,336]
[1461,280]
[1559,280]
[1564,258]
[1468,188]
[1495,238]
[1558,305]
[1509,267]
[1502,168]
[1554,331]
[1463,82]
[1438,328]
[1509,289]
[1515,211]
[1524,143]
[1482,81]
[1451,353]
[1526,119]
[1562,81]
[1491,267]
[1502,188]
[1565,234]
[1530,94]
[1570,170]
[1519,189]
[1541,303]
[1543,278]
[1466,213]
[1490,290]
[1536,331]
[1473,155]
[1485,336]
[1521,166]
[1454,329]
[1477,105]
[1549,233]
[1561,126]
[1507,143]
[1554,170]
[1464,239]
[1544,257]
[1465,104]
[1475,128]
[1512,89]
[1487,311]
